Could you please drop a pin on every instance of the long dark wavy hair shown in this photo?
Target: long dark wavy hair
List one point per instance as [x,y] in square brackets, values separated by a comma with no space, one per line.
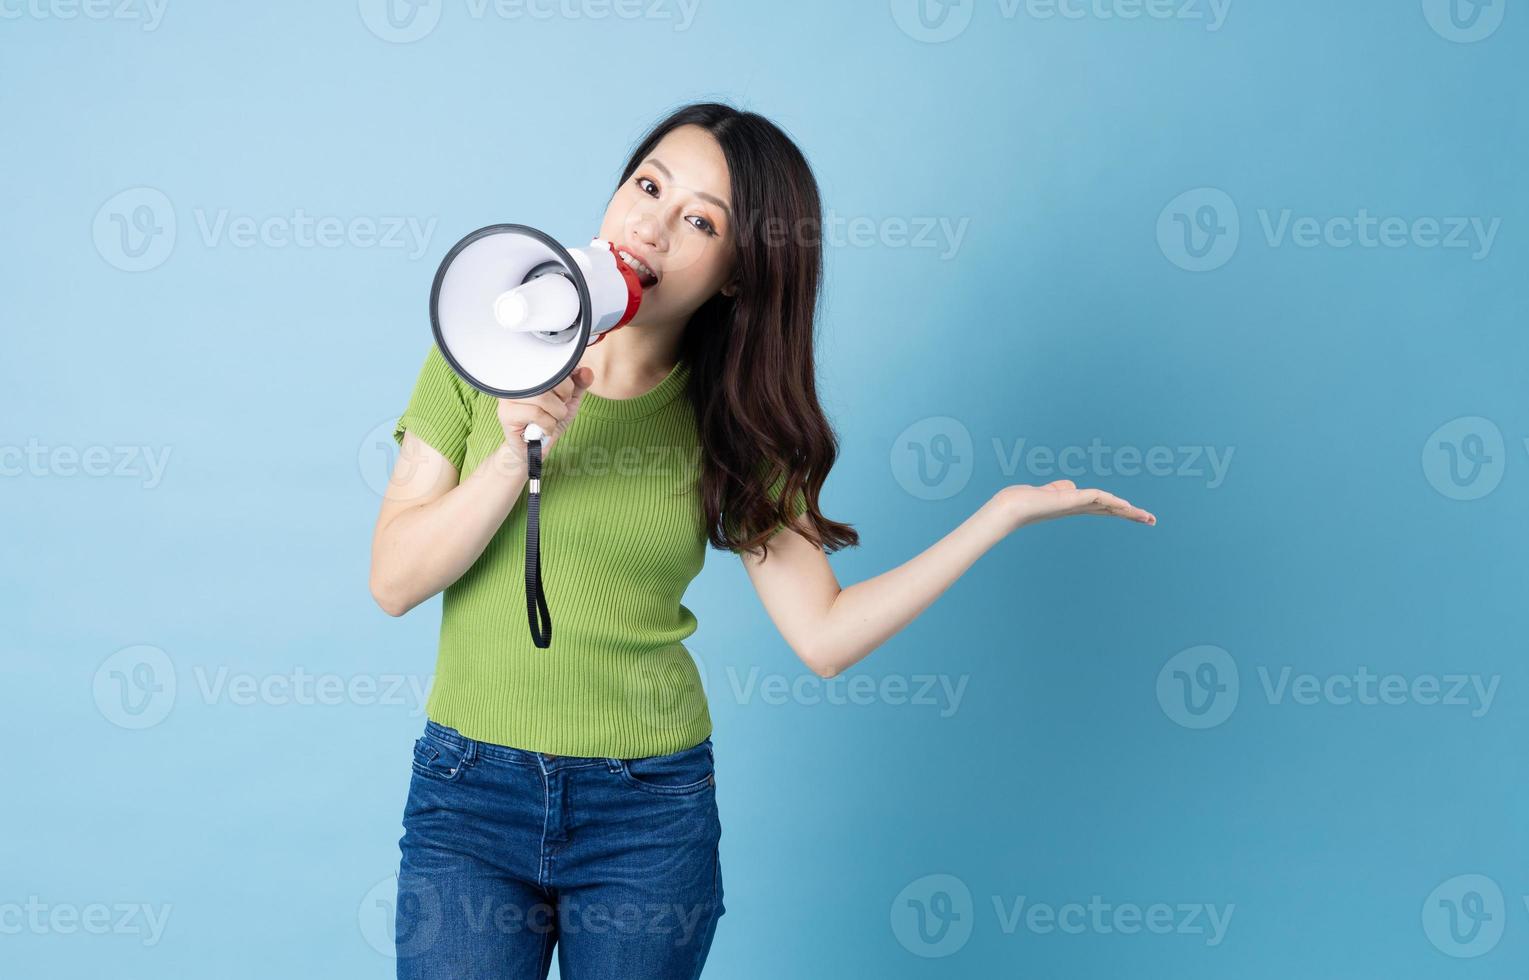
[753,382]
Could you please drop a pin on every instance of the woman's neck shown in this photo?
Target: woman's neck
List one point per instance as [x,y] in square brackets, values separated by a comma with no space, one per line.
[631,361]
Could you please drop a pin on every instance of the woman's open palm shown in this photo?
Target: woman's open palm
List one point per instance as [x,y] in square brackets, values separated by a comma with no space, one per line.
[1062,498]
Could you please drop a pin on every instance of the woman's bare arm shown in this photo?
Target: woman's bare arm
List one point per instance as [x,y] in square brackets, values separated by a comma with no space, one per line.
[432,528]
[831,628]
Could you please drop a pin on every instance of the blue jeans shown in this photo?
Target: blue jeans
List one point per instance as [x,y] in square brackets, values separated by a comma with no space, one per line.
[508,854]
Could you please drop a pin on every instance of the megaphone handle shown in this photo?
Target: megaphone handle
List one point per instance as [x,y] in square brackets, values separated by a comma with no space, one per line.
[536,599]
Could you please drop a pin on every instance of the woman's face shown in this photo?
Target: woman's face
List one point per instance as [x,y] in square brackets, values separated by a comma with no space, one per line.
[674,214]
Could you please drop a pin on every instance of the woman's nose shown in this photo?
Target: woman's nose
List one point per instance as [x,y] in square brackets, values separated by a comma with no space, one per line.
[648,227]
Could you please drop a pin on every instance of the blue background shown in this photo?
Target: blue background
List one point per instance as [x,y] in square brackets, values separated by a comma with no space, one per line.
[1339,539]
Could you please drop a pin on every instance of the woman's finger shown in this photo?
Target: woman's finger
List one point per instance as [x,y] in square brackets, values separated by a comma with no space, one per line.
[1131,512]
[578,379]
[550,403]
[1104,502]
[549,424]
[524,414]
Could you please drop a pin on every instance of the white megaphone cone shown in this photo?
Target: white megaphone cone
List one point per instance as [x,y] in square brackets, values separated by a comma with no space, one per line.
[513,312]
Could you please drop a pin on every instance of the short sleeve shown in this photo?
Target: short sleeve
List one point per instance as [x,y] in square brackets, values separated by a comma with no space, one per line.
[438,411]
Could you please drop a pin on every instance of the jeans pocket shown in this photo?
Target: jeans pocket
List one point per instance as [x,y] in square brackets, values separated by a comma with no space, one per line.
[439,758]
[689,771]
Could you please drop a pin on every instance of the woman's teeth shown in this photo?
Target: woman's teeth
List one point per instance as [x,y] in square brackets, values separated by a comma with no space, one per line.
[648,276]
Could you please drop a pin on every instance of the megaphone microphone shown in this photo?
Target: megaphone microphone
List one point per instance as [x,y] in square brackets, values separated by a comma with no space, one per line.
[513,312]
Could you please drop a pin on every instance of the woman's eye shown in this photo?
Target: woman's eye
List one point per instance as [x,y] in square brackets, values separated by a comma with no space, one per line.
[645,184]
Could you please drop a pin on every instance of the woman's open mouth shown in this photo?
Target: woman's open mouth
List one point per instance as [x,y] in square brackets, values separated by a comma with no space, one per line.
[646,277]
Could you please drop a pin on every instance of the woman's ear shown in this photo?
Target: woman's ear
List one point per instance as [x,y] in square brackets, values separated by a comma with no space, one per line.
[731,289]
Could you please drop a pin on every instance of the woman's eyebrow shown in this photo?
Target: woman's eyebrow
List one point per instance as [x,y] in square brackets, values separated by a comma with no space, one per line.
[702,194]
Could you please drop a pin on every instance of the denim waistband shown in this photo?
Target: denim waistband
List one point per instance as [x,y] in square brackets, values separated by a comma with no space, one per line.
[473,748]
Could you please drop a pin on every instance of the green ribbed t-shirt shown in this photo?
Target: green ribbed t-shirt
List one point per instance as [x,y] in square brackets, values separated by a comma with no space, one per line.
[622,536]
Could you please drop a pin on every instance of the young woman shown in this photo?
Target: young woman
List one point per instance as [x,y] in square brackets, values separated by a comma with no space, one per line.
[565,797]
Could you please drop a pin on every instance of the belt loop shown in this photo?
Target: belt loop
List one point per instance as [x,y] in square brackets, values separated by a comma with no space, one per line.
[471,755]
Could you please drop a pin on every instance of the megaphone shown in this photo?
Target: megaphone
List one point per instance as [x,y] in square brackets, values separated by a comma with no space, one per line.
[513,312]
